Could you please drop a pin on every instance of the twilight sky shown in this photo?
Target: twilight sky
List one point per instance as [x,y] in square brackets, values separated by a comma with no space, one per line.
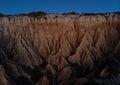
[59,6]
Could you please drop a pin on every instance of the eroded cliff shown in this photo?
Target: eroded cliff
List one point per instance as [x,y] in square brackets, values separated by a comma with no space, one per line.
[53,49]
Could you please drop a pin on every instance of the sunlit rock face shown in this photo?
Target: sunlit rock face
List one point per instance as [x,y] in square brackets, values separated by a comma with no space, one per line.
[56,49]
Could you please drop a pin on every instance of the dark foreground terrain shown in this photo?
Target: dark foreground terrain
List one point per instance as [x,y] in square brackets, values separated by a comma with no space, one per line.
[60,49]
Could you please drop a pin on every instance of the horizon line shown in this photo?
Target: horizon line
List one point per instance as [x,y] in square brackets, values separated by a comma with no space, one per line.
[62,13]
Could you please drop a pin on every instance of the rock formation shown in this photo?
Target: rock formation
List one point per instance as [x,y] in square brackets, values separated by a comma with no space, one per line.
[56,49]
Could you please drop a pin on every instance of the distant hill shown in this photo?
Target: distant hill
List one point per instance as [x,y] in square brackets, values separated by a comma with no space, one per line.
[41,13]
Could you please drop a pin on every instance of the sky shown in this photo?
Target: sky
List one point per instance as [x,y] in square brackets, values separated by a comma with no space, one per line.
[59,6]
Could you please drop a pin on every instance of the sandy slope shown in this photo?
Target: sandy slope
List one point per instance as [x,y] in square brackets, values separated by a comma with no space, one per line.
[59,49]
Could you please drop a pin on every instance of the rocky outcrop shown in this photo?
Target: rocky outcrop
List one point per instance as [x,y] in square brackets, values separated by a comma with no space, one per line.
[55,49]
